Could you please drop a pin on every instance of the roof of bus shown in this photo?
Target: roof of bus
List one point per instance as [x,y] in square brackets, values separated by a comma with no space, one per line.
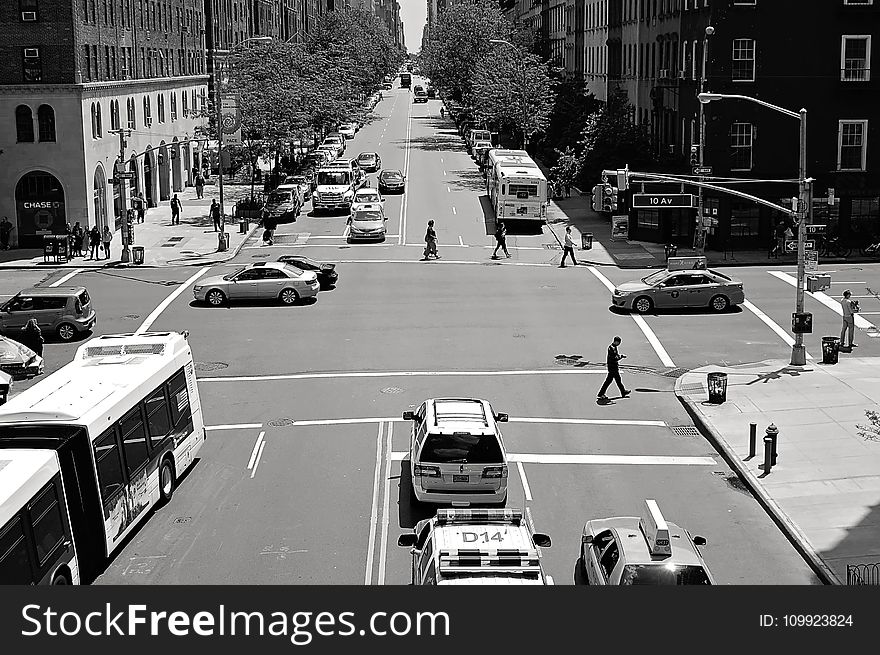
[100,373]
[23,472]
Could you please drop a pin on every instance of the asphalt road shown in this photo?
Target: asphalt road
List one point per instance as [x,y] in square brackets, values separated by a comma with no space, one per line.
[303,477]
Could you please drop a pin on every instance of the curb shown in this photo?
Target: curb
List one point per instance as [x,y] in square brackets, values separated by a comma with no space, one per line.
[791,530]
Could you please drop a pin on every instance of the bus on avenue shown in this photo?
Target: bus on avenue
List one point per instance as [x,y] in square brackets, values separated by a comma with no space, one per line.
[516,186]
[87,452]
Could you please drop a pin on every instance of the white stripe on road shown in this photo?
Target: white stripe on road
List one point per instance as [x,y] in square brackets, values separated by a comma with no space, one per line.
[401,239]
[398,419]
[823,298]
[148,322]
[640,321]
[448,190]
[785,336]
[255,450]
[392,374]
[257,463]
[460,242]
[234,426]
[525,482]
[374,512]
[556,458]
[65,278]
[453,210]
[383,544]
[589,421]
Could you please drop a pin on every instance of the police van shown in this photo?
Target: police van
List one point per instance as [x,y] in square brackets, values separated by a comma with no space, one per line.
[476,546]
[641,550]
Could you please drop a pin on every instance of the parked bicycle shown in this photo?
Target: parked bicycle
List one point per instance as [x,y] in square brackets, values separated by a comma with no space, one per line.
[871,248]
[832,246]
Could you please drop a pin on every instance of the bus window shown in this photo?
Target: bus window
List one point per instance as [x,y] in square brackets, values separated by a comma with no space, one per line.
[14,565]
[181,416]
[109,465]
[47,523]
[158,421]
[134,441]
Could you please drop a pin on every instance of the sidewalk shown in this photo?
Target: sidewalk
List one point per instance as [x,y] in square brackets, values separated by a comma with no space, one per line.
[824,490]
[192,242]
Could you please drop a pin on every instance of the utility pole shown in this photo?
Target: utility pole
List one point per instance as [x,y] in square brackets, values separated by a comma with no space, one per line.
[219,101]
[805,209]
[701,228]
[123,193]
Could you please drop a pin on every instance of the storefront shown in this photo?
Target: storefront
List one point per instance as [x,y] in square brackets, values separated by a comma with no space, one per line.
[40,208]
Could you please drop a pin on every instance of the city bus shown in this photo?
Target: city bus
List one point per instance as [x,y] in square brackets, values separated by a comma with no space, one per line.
[124,421]
[516,186]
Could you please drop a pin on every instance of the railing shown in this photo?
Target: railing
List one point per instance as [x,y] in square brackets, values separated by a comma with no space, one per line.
[863,574]
[855,70]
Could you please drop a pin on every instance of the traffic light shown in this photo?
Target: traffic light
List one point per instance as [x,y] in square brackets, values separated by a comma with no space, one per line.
[695,155]
[609,198]
[597,198]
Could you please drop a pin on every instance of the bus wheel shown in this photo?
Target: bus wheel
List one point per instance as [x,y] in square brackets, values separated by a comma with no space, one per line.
[166,481]
[61,578]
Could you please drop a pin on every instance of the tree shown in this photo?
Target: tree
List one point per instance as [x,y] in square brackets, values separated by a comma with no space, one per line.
[571,109]
[567,167]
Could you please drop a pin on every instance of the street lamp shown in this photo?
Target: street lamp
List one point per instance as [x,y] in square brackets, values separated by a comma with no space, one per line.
[522,72]
[701,228]
[805,184]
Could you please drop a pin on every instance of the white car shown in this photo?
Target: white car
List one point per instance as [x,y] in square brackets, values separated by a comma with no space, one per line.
[366,196]
[348,130]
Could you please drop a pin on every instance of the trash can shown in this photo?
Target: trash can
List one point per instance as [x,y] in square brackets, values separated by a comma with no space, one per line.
[830,349]
[137,254]
[670,249]
[48,247]
[587,241]
[223,242]
[717,383]
[243,225]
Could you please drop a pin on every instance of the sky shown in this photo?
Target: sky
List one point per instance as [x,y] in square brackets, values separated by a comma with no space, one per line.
[414,14]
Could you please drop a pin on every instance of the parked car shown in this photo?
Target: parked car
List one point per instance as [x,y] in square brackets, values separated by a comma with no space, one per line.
[348,130]
[682,288]
[261,280]
[431,91]
[327,275]
[392,180]
[370,162]
[367,224]
[64,311]
[18,360]
[301,182]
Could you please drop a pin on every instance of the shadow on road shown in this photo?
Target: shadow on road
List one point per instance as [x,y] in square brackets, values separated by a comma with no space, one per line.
[410,511]
[434,143]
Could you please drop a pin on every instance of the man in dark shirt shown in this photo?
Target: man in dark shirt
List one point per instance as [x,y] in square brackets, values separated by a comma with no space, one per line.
[613,371]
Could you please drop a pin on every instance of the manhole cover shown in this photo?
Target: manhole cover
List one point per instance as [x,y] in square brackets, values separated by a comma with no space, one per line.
[519,336]
[391,390]
[131,317]
[546,286]
[676,372]
[210,366]
[281,422]
[183,519]
[684,431]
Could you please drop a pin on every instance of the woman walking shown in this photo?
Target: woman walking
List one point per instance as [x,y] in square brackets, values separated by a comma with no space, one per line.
[78,236]
[430,242]
[107,238]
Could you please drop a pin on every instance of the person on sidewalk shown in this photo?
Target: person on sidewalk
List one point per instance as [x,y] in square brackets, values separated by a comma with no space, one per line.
[779,240]
[5,232]
[430,242]
[215,214]
[850,308]
[78,236]
[175,210]
[107,237]
[139,205]
[611,361]
[94,242]
[568,249]
[32,336]
[500,240]
[200,185]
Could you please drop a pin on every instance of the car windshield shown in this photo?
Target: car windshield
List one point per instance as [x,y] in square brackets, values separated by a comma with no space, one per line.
[368,216]
[367,158]
[277,197]
[654,278]
[333,177]
[391,175]
[461,448]
[229,276]
[368,197]
[722,276]
[663,574]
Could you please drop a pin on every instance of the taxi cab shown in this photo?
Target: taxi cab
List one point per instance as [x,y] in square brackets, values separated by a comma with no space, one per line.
[641,550]
[476,546]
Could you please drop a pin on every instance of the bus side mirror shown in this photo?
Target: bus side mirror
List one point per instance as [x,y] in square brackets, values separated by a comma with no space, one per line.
[541,540]
[409,416]
[501,417]
[407,540]
[699,541]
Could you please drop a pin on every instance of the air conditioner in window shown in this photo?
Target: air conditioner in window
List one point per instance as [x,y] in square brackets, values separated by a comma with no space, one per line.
[682,75]
[29,16]
[31,53]
[664,72]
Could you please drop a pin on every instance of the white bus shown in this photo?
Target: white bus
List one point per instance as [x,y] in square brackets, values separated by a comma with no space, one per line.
[124,421]
[516,186]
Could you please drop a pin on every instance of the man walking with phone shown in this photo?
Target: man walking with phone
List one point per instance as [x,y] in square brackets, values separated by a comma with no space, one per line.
[611,361]
[568,249]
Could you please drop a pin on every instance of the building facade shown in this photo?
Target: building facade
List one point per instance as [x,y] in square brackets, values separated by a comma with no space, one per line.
[71,75]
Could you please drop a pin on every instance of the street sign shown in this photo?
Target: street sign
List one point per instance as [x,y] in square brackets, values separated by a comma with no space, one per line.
[127,175]
[830,195]
[791,246]
[663,200]
[812,261]
[818,228]
[702,170]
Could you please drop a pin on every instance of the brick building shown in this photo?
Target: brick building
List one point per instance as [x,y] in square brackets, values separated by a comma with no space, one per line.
[70,73]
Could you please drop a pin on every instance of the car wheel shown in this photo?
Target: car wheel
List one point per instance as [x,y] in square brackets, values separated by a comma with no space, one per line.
[61,578]
[288,296]
[166,481]
[66,332]
[215,297]
[719,303]
[643,304]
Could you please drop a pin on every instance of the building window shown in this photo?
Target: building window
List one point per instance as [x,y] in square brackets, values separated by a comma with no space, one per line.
[743,60]
[97,129]
[173,105]
[46,122]
[148,114]
[114,115]
[648,219]
[29,11]
[858,2]
[129,106]
[24,124]
[87,64]
[745,220]
[864,215]
[852,145]
[32,70]
[107,62]
[855,58]
[741,146]
[161,107]
[185,104]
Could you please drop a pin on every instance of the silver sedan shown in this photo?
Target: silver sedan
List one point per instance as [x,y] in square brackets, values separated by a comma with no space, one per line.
[675,289]
[263,280]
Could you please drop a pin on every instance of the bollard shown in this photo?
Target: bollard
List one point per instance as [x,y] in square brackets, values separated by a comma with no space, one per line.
[753,436]
[773,433]
[768,454]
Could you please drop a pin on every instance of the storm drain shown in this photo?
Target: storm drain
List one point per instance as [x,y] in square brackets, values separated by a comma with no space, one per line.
[684,431]
[183,519]
[281,422]
[208,367]
[391,390]
[131,317]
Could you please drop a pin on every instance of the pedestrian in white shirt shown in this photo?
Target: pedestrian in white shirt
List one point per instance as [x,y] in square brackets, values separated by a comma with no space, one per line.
[569,248]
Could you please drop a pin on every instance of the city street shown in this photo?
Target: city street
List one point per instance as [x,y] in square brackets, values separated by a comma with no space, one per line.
[304,480]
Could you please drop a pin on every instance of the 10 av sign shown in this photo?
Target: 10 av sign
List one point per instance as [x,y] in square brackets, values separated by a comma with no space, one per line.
[663,200]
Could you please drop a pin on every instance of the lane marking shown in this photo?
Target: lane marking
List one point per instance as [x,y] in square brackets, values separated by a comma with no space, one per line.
[257,463]
[234,426]
[170,299]
[448,190]
[374,512]
[255,451]
[344,234]
[401,240]
[65,278]
[512,419]
[383,545]
[525,482]
[640,321]
[453,210]
[823,298]
[391,374]
[560,458]
[460,242]
[848,282]
[589,421]
[444,172]
[785,336]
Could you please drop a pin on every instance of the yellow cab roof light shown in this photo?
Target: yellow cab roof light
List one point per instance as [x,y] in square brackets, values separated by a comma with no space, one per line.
[655,529]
